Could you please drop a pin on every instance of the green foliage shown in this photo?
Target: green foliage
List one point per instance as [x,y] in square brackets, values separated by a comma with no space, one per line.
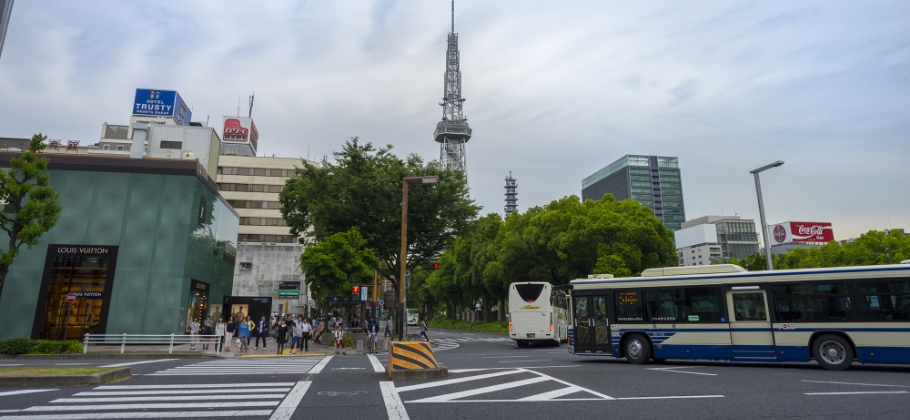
[29,346]
[872,248]
[34,203]
[336,263]
[362,189]
[501,327]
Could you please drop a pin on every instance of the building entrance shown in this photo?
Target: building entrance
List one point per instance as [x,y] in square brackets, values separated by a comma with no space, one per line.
[198,303]
[77,284]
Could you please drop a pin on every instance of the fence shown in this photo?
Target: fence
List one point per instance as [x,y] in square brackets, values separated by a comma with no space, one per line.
[148,339]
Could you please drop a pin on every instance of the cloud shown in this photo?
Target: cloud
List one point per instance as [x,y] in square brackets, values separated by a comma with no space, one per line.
[555,90]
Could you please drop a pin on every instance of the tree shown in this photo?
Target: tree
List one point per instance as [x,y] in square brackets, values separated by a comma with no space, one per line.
[871,248]
[362,189]
[335,264]
[33,204]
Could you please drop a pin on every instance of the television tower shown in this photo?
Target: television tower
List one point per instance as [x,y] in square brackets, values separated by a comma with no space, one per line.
[511,194]
[453,131]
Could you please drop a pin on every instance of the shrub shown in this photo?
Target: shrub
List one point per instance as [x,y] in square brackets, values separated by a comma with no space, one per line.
[47,347]
[15,346]
[451,324]
[72,347]
[28,346]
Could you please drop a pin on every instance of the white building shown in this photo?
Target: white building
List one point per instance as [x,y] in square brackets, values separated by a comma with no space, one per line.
[698,245]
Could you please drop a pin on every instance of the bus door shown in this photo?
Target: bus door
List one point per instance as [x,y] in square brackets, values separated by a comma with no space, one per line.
[592,327]
[750,326]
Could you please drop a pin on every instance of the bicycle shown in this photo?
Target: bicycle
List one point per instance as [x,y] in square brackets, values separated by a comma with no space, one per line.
[372,338]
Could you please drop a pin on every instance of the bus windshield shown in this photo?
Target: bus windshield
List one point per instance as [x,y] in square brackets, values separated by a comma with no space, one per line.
[529,292]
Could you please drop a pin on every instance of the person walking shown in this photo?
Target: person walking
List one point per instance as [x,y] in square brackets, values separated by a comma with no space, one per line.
[230,330]
[320,328]
[305,329]
[243,332]
[252,328]
[388,328]
[206,331]
[282,335]
[262,331]
[423,330]
[194,333]
[339,340]
[219,332]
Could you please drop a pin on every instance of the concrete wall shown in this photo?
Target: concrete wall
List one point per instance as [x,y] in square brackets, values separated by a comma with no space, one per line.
[270,265]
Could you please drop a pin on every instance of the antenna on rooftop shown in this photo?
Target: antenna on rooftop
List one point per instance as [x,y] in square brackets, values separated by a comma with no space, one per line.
[251,105]
[453,16]
[238,107]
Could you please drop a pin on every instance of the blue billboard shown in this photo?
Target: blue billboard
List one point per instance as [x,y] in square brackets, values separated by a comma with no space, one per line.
[162,103]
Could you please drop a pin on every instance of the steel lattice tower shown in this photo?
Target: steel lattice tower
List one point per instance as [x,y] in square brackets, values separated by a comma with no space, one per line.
[511,194]
[453,131]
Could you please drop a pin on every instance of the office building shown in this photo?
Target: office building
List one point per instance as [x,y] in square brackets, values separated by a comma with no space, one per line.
[144,245]
[737,237]
[698,245]
[6,8]
[653,181]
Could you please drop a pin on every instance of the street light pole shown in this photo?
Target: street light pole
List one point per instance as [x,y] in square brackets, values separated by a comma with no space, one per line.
[402,259]
[761,211]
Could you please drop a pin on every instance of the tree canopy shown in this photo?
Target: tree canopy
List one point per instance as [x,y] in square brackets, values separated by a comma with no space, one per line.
[362,189]
[871,248]
[338,262]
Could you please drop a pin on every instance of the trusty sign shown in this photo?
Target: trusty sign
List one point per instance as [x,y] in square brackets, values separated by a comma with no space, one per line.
[162,103]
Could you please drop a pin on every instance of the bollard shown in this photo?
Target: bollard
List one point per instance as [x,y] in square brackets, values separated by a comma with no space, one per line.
[217,346]
[85,344]
[123,343]
[171,348]
[360,346]
[385,345]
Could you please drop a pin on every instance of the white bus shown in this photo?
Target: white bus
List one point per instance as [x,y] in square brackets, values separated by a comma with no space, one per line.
[413,317]
[537,313]
[833,315]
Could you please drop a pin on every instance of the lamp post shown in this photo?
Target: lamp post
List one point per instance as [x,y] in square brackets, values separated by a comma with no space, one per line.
[761,210]
[403,258]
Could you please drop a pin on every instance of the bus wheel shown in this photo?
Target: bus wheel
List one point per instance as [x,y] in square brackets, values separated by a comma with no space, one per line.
[637,349]
[833,352]
[557,343]
[520,343]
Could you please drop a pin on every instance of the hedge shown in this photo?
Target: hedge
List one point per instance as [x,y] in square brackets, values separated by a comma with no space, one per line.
[501,327]
[29,346]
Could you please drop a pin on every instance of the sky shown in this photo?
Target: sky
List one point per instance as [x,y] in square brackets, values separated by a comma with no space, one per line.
[555,90]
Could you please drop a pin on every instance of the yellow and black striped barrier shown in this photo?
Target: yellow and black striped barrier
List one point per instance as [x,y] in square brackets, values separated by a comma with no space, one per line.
[413,360]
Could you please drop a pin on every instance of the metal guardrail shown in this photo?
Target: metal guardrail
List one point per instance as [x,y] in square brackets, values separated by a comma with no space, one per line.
[163,339]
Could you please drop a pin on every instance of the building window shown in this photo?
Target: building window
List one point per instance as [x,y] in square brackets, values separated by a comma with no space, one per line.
[171,144]
[119,147]
[246,266]
[107,147]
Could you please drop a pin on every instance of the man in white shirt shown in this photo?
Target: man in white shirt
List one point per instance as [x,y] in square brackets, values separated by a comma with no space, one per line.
[305,329]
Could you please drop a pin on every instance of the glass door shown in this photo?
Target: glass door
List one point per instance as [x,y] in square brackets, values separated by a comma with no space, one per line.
[592,326]
[750,327]
[600,324]
[85,278]
[584,340]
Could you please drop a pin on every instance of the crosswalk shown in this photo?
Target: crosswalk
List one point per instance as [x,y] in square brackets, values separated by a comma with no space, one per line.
[243,366]
[172,401]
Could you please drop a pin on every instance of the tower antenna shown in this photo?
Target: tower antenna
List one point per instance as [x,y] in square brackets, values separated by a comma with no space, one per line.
[453,16]
[250,115]
[453,131]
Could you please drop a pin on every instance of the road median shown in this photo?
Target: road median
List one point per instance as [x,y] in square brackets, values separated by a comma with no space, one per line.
[60,375]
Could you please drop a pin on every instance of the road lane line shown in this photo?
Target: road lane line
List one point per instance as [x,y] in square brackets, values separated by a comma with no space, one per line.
[377,366]
[525,361]
[138,363]
[72,364]
[484,390]
[671,397]
[857,393]
[853,383]
[321,365]
[146,415]
[194,386]
[691,373]
[546,396]
[510,368]
[456,381]
[198,404]
[502,357]
[675,367]
[393,405]
[178,391]
[289,405]
[604,396]
[230,396]
[25,391]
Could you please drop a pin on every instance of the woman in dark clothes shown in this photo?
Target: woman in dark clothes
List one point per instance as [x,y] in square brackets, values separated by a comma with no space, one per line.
[282,335]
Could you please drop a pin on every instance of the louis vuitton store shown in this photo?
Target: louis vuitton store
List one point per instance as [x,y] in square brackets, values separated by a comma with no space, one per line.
[141,247]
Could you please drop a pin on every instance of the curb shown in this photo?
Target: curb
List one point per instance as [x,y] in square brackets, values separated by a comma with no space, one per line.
[418,375]
[90,356]
[112,375]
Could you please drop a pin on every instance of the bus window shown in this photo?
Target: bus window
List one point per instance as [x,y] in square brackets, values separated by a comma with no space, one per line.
[629,307]
[749,307]
[529,292]
[703,304]
[665,305]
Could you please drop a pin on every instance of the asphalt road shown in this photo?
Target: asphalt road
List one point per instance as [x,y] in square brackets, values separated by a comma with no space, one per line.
[489,378]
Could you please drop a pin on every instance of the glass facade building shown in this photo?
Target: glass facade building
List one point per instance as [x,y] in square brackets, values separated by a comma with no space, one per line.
[653,181]
[145,245]
[737,236]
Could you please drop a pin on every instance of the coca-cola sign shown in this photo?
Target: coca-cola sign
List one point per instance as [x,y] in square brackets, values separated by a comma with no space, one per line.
[789,232]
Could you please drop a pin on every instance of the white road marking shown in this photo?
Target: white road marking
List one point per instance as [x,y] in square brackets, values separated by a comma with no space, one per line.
[675,370]
[349,368]
[854,383]
[198,404]
[484,390]
[456,381]
[140,415]
[72,364]
[226,396]
[25,391]
[524,361]
[553,394]
[510,368]
[675,367]
[196,386]
[393,405]
[289,405]
[486,354]
[502,357]
[377,365]
[691,373]
[671,397]
[856,393]
[138,363]
[321,365]
[180,391]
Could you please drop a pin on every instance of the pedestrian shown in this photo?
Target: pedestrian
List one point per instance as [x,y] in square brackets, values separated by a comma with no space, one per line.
[282,337]
[388,328]
[207,332]
[423,330]
[219,332]
[320,328]
[194,333]
[252,327]
[374,333]
[230,330]
[262,331]
[243,332]
[295,336]
[304,336]
[339,340]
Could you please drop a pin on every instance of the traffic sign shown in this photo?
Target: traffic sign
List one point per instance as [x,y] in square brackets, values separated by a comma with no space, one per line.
[70,297]
[381,303]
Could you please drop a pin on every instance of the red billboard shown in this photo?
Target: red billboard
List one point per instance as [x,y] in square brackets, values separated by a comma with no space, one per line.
[789,232]
[241,130]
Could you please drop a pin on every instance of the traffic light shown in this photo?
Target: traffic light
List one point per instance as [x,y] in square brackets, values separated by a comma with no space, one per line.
[435,266]
[355,293]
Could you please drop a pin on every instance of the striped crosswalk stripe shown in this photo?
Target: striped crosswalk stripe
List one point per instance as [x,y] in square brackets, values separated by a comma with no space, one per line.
[259,366]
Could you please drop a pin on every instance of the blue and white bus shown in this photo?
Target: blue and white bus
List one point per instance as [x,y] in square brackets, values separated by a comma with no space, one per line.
[834,316]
